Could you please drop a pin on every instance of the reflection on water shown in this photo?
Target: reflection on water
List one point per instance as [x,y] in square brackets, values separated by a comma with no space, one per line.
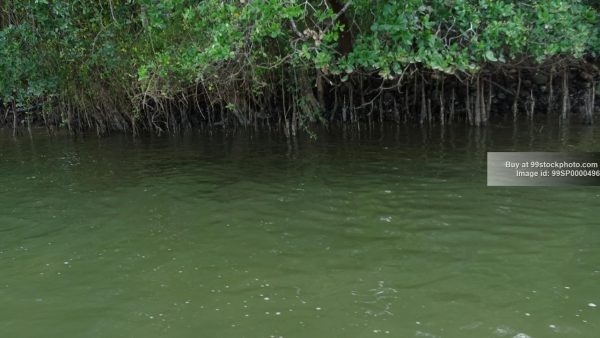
[386,232]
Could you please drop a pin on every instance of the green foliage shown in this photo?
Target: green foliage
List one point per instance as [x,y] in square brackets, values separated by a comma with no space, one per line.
[128,48]
[25,75]
[463,35]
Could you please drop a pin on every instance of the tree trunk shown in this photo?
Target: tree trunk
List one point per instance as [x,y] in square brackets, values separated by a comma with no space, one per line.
[565,95]
[515,106]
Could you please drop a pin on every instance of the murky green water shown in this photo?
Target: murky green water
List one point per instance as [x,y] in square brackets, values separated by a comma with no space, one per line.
[378,234]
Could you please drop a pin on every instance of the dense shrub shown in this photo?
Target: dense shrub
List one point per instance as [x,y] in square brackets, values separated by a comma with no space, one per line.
[168,64]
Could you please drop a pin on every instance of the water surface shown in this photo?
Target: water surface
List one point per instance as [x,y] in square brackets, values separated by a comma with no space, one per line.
[384,233]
